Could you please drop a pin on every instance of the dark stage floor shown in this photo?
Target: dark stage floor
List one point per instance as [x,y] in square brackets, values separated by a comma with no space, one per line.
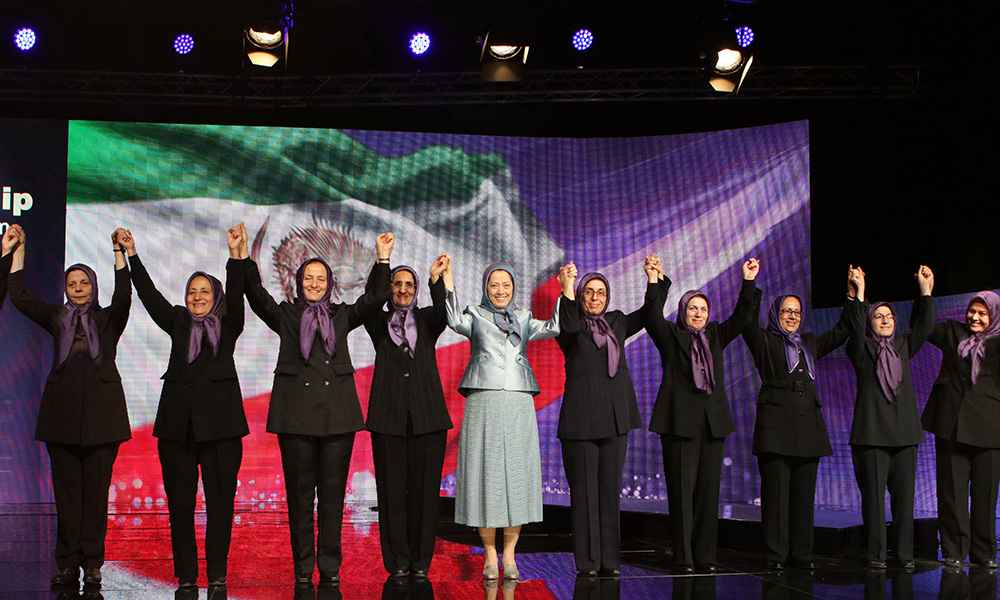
[139,566]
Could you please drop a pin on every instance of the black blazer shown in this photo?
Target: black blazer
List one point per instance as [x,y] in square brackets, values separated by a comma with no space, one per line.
[204,393]
[401,384]
[876,421]
[4,274]
[679,404]
[83,402]
[956,409]
[594,405]
[314,396]
[789,413]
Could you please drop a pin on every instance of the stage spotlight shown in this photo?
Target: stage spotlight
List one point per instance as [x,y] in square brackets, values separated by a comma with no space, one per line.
[503,57]
[420,43]
[25,38]
[266,44]
[744,36]
[583,39]
[730,69]
[183,44]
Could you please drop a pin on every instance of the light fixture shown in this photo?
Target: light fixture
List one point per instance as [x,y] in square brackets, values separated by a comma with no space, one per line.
[420,43]
[744,36]
[503,56]
[266,44]
[25,38]
[731,67]
[582,40]
[183,44]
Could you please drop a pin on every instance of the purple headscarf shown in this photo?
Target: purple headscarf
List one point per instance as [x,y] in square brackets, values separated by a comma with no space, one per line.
[597,324]
[793,341]
[888,364]
[505,318]
[702,365]
[402,325]
[210,325]
[974,346]
[317,314]
[80,314]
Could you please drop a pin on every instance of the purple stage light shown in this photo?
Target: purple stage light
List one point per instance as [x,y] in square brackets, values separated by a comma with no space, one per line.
[420,42]
[583,39]
[183,43]
[25,39]
[744,36]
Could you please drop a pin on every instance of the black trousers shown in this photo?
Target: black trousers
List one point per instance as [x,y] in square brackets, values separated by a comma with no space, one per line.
[964,471]
[787,498]
[594,472]
[408,480]
[692,468]
[81,477]
[220,465]
[316,467]
[877,468]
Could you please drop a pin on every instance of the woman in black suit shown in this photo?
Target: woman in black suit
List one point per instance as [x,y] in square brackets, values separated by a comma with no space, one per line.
[408,420]
[314,407]
[789,434]
[886,428]
[82,417]
[963,413]
[200,419]
[9,243]
[692,413]
[598,410]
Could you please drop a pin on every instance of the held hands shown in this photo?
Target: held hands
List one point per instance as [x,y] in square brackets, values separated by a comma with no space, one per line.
[653,268]
[750,269]
[856,283]
[384,243]
[925,279]
[123,238]
[11,239]
[567,277]
[442,264]
[236,239]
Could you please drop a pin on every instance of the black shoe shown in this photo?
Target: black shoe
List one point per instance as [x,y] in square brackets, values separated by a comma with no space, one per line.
[610,573]
[186,584]
[706,568]
[684,569]
[877,565]
[953,563]
[92,576]
[586,574]
[329,578]
[218,583]
[986,563]
[775,565]
[66,578]
[418,573]
[907,564]
[303,580]
[396,574]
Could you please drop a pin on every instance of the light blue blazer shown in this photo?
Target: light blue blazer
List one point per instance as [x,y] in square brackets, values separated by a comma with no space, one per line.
[495,362]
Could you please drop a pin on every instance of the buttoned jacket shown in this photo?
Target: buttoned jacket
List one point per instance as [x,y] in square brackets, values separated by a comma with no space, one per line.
[496,362]
[314,396]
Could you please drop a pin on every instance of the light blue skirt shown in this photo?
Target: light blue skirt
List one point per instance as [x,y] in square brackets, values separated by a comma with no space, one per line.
[498,479]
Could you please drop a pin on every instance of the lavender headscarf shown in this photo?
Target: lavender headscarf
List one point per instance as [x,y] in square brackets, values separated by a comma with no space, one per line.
[702,365]
[597,324]
[401,328]
[888,364]
[317,314]
[210,325]
[80,314]
[793,341]
[974,346]
[505,318]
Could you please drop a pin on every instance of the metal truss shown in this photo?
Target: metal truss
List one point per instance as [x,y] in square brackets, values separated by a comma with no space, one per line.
[464,88]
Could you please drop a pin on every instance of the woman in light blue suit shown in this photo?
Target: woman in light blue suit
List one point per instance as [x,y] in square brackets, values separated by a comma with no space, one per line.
[498,476]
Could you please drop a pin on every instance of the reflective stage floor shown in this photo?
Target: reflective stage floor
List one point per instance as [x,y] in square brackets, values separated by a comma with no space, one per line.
[139,567]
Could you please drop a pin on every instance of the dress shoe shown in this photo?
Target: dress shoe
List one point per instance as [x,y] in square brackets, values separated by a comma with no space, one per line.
[986,563]
[418,573]
[398,573]
[186,584]
[684,569]
[510,572]
[953,563]
[706,568]
[217,583]
[92,576]
[491,572]
[610,573]
[907,564]
[877,565]
[66,578]
[303,580]
[775,565]
[586,574]
[329,578]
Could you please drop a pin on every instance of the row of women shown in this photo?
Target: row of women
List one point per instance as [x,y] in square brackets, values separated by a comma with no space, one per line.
[315,412]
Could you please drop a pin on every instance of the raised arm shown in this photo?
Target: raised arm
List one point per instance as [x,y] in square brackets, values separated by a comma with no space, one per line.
[261,302]
[634,321]
[159,309]
[377,288]
[922,321]
[9,244]
[459,321]
[35,309]
[436,318]
[743,312]
[121,298]
[236,240]
[845,327]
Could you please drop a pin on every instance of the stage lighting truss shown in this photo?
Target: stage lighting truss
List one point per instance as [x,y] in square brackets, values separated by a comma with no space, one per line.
[25,38]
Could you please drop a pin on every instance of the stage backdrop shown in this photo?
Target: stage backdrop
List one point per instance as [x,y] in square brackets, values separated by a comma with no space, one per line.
[704,202]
